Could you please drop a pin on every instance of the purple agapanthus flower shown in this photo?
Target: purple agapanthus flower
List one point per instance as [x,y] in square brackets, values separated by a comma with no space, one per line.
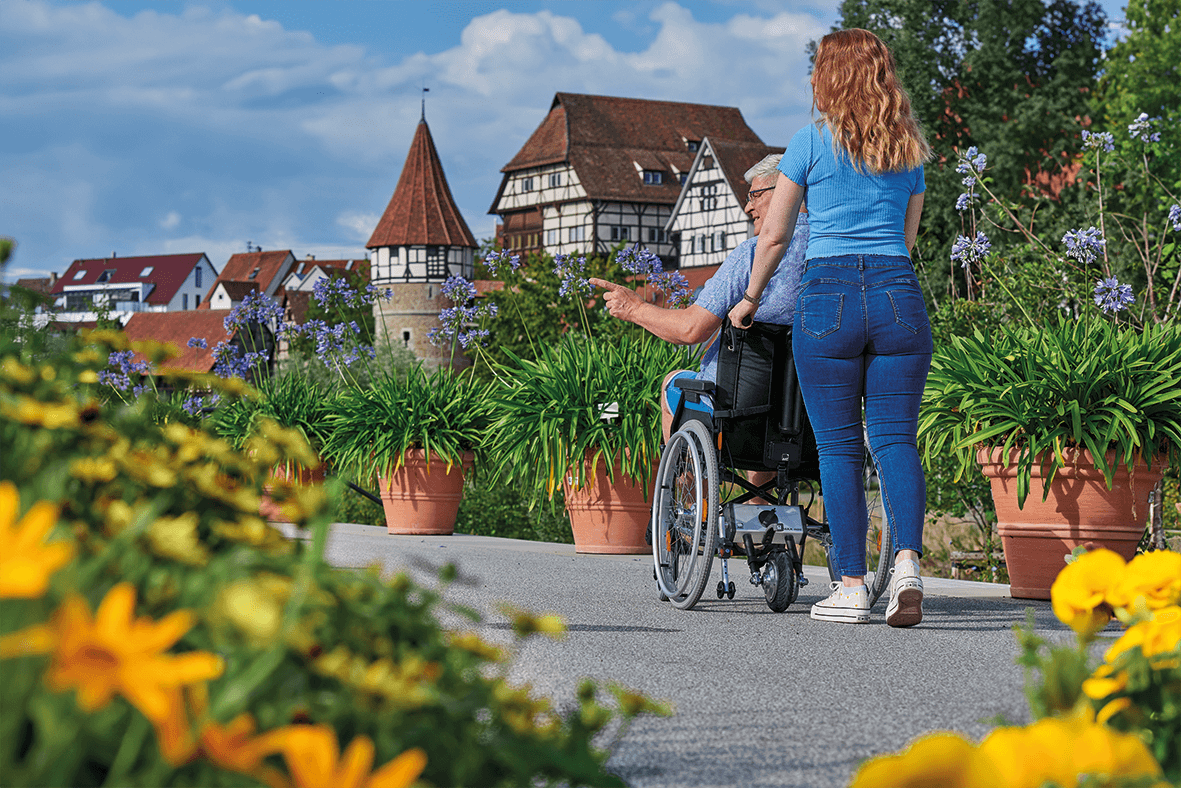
[1111,296]
[572,270]
[1098,140]
[198,405]
[639,261]
[230,362]
[971,161]
[1084,245]
[458,290]
[966,251]
[963,202]
[969,181]
[1175,217]
[675,287]
[255,308]
[198,342]
[125,366]
[1143,128]
[495,261]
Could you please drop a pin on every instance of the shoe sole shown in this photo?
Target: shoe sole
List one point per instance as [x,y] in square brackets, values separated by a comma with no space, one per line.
[842,616]
[910,608]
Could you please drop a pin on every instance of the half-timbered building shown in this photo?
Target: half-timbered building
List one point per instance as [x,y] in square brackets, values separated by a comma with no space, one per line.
[708,218]
[601,171]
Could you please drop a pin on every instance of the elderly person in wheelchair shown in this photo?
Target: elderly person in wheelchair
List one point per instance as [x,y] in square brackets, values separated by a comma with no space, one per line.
[696,461]
[700,322]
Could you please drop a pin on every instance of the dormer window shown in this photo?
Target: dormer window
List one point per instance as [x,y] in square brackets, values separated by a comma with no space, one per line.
[692,145]
[146,272]
[254,273]
[653,177]
[80,275]
[105,276]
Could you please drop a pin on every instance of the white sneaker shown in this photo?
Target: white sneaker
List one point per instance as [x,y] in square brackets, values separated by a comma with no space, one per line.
[906,595]
[848,605]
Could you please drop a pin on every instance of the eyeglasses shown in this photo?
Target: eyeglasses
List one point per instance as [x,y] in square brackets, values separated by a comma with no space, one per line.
[755,192]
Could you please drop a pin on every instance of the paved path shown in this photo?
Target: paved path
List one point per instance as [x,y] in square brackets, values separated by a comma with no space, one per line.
[761,699]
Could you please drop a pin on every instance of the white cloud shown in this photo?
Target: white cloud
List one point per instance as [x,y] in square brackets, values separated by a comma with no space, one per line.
[361,225]
[249,131]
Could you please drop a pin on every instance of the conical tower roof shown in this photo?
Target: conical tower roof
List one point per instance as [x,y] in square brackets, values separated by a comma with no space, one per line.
[422,210]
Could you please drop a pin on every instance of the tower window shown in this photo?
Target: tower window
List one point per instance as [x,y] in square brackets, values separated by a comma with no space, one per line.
[555,180]
[406,337]
[653,177]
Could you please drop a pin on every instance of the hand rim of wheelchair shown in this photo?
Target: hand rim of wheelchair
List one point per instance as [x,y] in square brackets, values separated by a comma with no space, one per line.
[684,585]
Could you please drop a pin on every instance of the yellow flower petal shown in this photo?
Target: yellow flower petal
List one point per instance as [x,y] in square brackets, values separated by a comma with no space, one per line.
[401,772]
[1078,593]
[37,639]
[939,760]
[1111,709]
[26,562]
[1152,577]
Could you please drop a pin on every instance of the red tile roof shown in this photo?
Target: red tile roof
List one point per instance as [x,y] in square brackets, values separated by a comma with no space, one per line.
[304,267]
[168,273]
[604,137]
[236,290]
[422,210]
[176,328]
[240,267]
[735,158]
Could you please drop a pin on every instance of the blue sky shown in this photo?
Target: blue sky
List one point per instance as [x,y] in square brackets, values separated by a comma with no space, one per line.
[173,127]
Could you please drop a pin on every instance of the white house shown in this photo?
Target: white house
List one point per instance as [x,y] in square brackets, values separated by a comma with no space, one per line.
[126,285]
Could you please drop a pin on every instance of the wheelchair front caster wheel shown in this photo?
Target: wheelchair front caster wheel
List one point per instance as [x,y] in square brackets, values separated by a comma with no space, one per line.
[722,589]
[730,590]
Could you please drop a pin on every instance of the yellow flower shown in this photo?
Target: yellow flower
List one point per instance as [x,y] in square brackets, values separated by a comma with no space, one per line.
[938,760]
[1078,592]
[1062,750]
[42,414]
[1101,684]
[176,538]
[314,760]
[1158,635]
[114,652]
[26,562]
[1154,577]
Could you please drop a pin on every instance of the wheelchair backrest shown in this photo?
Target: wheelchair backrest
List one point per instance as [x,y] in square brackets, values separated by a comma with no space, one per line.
[758,406]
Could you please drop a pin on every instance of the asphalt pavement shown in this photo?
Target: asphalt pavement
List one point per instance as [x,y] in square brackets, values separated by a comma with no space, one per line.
[760,698]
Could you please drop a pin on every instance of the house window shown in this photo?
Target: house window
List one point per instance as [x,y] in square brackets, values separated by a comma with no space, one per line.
[657,235]
[653,177]
[692,145]
[619,233]
[436,262]
[196,275]
[105,276]
[406,337]
[184,301]
[701,244]
[148,270]
[526,184]
[551,237]
[79,275]
[684,176]
[555,180]
[578,233]
[720,243]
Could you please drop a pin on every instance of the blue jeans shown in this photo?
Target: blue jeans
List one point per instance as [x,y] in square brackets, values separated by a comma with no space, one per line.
[861,331]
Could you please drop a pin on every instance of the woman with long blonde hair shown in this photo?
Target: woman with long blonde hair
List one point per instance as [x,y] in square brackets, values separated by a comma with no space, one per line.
[861,333]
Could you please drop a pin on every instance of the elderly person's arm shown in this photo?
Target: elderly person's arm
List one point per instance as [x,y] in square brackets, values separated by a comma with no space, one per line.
[689,326]
[779,225]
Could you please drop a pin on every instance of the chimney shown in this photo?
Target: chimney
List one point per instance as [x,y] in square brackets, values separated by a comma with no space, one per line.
[113,255]
[310,257]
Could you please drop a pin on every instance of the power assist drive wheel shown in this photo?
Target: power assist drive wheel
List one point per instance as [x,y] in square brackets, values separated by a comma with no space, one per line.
[685,515]
[780,585]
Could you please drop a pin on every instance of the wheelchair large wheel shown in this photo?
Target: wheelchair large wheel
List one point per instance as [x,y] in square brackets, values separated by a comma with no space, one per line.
[879,541]
[685,515]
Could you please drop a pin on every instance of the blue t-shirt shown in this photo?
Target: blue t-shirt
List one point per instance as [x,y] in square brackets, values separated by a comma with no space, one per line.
[778,303]
[851,212]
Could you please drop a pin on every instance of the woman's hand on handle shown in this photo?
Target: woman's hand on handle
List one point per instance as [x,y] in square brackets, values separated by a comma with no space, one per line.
[743,313]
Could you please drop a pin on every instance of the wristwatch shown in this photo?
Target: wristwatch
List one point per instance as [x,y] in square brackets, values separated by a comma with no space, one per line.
[746,297]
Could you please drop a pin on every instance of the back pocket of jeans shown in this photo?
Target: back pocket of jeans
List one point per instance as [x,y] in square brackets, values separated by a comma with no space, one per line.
[820,314]
[909,310]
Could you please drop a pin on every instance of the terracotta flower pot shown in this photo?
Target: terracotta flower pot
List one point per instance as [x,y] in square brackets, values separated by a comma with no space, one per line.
[273,512]
[1080,511]
[608,517]
[422,499]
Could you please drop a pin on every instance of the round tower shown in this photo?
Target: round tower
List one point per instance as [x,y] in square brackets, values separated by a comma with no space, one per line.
[420,241]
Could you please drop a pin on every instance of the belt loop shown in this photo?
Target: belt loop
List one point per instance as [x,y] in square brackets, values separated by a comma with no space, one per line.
[860,262]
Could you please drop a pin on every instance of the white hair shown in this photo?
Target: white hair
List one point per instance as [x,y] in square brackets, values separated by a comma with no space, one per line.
[767,166]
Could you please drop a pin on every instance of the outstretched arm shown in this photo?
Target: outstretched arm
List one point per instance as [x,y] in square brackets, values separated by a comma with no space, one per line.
[687,326]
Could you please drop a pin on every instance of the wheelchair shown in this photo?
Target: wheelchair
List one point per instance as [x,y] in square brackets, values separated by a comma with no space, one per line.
[758,423]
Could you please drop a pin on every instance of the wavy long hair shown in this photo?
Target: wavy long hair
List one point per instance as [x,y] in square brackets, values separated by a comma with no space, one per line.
[856,90]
